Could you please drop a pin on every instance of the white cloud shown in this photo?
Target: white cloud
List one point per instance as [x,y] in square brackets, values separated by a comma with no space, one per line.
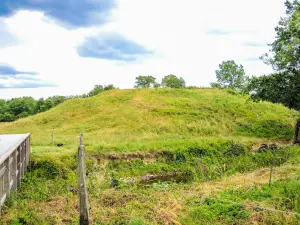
[177,30]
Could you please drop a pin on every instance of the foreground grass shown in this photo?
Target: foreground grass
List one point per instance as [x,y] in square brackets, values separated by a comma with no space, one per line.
[208,193]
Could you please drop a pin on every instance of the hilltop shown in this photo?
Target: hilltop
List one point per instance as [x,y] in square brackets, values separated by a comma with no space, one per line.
[161,156]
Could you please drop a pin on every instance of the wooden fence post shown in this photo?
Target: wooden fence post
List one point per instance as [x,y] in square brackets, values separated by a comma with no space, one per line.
[52,137]
[296,134]
[83,195]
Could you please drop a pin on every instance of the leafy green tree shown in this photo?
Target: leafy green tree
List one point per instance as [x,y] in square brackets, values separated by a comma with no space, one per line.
[3,106]
[277,88]
[285,51]
[172,81]
[6,117]
[96,90]
[109,87]
[283,86]
[20,105]
[100,88]
[230,75]
[145,82]
[40,106]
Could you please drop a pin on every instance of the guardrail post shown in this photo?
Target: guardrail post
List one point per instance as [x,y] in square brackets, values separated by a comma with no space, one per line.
[19,167]
[14,170]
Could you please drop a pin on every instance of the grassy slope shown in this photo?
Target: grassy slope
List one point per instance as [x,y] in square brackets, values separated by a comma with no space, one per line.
[186,132]
[135,117]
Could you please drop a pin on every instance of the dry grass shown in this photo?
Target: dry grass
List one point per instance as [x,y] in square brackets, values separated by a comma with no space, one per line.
[256,178]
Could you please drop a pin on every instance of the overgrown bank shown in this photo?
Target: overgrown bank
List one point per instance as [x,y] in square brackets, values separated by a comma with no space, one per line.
[120,192]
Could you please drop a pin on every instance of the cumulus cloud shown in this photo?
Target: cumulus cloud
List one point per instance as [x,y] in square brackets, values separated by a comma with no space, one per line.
[111,46]
[76,13]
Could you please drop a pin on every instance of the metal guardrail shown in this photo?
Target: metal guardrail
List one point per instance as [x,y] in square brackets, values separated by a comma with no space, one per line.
[13,165]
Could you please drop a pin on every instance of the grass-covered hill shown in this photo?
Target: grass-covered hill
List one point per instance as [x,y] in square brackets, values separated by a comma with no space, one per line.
[138,118]
[161,156]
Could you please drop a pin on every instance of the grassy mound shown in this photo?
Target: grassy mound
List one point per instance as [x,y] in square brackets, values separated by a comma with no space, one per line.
[160,156]
[128,120]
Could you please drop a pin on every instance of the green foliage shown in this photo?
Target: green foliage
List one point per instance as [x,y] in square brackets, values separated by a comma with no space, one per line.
[230,75]
[17,108]
[172,81]
[100,88]
[282,86]
[212,210]
[277,88]
[145,82]
[285,49]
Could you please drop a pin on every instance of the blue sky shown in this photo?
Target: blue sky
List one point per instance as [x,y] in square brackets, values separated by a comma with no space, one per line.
[55,47]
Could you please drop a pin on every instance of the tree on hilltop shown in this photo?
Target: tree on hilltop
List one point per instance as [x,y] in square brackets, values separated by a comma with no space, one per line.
[145,82]
[173,81]
[230,75]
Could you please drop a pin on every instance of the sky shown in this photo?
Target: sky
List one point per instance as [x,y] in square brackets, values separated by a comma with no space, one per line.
[55,47]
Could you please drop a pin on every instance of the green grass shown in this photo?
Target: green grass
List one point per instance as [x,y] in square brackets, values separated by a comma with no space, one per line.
[186,139]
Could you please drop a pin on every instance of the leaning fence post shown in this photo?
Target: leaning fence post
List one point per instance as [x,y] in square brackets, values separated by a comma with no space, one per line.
[83,196]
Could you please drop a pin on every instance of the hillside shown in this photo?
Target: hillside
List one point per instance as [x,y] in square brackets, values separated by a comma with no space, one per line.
[161,156]
[137,117]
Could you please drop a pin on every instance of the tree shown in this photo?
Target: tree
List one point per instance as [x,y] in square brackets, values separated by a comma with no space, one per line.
[172,81]
[145,82]
[277,88]
[96,90]
[230,75]
[283,86]
[285,49]
[100,88]
[6,117]
[109,87]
